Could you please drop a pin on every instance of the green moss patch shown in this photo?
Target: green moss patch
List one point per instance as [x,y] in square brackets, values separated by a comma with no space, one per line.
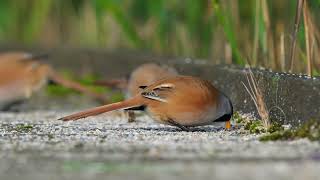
[253,126]
[310,129]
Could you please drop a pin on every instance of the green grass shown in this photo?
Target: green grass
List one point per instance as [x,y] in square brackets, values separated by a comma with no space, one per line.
[200,29]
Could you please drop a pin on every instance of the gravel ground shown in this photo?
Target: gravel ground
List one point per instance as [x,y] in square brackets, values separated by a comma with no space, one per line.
[33,144]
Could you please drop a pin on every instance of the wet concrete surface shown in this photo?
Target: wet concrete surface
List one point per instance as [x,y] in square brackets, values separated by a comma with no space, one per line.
[290,99]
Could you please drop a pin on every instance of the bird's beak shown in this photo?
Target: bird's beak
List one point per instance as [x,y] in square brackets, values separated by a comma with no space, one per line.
[228,125]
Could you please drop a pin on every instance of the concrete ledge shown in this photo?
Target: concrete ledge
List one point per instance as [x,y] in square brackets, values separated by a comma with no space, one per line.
[291,99]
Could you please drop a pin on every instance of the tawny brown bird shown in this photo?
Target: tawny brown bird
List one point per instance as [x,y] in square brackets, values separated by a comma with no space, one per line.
[181,101]
[143,75]
[22,74]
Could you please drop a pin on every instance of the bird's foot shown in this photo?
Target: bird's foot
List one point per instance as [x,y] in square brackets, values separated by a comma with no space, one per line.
[131,116]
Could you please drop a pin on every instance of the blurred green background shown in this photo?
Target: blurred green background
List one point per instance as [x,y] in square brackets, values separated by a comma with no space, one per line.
[225,31]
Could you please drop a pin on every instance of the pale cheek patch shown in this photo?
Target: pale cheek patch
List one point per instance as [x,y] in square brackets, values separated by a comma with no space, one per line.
[155,98]
[167,85]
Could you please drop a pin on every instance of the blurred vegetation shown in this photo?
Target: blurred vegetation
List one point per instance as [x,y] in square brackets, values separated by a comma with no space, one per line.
[222,31]
[87,80]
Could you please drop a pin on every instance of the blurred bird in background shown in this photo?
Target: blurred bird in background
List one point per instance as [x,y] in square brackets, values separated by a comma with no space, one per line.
[23,74]
[143,75]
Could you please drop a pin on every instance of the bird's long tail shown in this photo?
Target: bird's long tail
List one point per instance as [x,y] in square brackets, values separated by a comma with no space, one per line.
[113,83]
[57,78]
[132,102]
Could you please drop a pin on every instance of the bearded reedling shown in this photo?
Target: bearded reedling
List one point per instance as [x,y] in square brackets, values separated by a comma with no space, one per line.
[181,101]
